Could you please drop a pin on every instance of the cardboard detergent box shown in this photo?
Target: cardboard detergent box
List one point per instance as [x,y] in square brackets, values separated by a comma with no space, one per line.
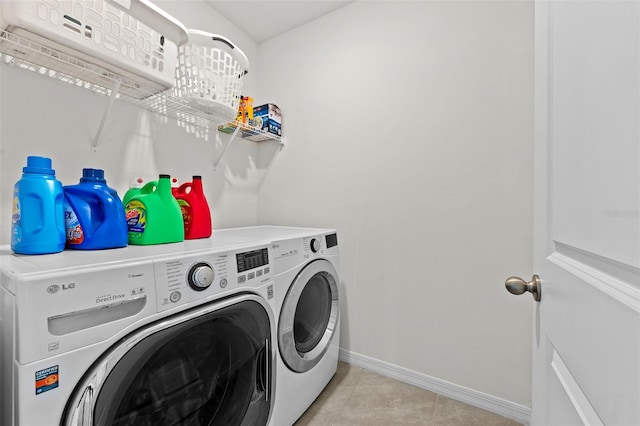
[267,118]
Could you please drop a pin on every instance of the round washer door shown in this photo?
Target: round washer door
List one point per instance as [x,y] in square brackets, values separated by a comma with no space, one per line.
[206,366]
[309,316]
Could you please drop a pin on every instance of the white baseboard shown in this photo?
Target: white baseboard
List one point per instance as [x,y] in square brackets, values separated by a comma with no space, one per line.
[511,410]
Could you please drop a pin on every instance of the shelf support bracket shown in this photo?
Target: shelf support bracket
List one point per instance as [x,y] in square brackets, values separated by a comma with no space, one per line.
[233,136]
[105,115]
[273,159]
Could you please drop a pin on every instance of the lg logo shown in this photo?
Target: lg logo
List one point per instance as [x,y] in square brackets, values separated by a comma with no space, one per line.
[54,288]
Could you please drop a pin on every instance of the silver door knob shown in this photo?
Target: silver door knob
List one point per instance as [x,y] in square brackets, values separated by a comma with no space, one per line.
[517,285]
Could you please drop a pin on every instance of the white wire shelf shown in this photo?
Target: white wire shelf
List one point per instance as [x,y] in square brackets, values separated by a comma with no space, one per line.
[32,56]
[248,132]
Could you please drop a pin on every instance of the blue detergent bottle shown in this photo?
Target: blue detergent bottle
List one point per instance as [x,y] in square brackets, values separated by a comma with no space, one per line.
[37,222]
[94,214]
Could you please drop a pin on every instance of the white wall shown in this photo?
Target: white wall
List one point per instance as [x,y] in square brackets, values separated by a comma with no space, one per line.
[409,129]
[41,116]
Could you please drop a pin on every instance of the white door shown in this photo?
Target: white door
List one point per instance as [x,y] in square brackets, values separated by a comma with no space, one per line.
[586,349]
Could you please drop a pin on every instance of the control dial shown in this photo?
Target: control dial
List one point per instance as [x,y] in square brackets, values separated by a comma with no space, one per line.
[200,276]
[315,245]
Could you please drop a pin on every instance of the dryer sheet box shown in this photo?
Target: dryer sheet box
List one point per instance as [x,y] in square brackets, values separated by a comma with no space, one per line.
[267,118]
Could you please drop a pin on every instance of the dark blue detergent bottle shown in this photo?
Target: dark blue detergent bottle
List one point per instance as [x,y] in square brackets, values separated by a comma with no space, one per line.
[37,221]
[93,214]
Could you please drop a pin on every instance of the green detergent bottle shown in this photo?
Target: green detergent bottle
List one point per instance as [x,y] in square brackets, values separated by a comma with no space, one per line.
[154,215]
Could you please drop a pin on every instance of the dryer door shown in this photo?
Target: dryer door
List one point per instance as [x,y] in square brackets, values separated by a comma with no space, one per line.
[309,316]
[208,366]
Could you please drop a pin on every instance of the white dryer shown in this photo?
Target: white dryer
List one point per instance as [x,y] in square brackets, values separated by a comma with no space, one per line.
[173,334]
[306,265]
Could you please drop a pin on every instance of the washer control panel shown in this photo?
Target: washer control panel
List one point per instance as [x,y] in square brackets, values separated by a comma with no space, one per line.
[252,264]
[188,278]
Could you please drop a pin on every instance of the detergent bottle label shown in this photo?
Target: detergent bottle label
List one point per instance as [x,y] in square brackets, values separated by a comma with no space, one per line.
[75,234]
[16,229]
[136,215]
[187,215]
[15,214]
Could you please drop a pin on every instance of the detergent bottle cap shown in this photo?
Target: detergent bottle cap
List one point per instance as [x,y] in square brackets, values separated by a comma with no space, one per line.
[92,175]
[37,164]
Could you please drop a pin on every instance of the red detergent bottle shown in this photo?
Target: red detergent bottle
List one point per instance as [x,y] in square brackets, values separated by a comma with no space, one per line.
[195,209]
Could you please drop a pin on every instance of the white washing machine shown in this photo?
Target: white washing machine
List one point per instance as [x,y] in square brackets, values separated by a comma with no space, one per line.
[172,334]
[306,264]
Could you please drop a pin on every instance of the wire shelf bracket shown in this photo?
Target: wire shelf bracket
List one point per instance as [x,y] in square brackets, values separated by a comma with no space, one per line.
[233,136]
[105,115]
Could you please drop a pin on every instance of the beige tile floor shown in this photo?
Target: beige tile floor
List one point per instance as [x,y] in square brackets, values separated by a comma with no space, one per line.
[359,397]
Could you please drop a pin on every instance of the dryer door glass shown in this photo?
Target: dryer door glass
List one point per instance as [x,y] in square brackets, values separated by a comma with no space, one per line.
[212,369]
[309,316]
[312,313]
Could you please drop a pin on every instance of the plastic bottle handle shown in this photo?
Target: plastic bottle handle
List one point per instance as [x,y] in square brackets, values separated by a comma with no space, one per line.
[183,188]
[149,187]
[111,208]
[48,212]
[108,209]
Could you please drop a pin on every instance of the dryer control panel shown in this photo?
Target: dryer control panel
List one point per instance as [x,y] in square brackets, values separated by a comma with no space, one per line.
[319,245]
[195,277]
